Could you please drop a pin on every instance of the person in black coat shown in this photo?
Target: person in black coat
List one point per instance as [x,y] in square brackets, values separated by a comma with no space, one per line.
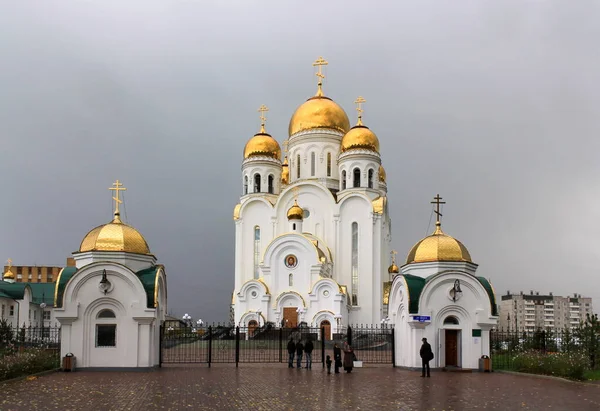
[426,356]
[337,358]
[308,349]
[291,347]
[299,351]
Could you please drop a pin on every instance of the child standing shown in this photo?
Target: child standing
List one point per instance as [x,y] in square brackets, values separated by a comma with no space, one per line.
[328,362]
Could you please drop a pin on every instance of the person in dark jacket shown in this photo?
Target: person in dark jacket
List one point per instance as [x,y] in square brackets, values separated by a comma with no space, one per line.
[348,358]
[299,351]
[308,349]
[291,347]
[337,358]
[328,362]
[426,356]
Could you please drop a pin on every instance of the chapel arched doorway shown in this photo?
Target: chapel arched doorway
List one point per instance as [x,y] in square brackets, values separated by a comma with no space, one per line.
[326,327]
[252,325]
[451,341]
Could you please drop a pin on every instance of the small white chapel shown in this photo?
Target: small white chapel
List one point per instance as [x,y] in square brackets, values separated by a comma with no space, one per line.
[438,295]
[111,304]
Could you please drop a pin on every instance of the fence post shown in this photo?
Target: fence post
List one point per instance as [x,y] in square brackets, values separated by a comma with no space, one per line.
[393,348]
[209,345]
[160,345]
[280,344]
[323,346]
[237,345]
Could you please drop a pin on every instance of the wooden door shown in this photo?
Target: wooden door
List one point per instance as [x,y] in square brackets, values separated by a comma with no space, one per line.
[251,327]
[290,317]
[326,327]
[452,348]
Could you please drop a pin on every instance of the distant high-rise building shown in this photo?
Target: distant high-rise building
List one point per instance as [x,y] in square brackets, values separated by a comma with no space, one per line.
[36,274]
[529,312]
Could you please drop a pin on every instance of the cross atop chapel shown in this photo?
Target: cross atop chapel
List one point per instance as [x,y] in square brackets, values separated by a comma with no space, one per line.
[118,186]
[437,200]
[263,119]
[320,62]
[359,109]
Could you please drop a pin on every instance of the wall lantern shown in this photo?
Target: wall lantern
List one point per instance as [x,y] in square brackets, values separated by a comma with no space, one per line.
[104,283]
[456,292]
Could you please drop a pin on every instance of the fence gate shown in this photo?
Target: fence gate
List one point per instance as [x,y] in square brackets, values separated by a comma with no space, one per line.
[267,344]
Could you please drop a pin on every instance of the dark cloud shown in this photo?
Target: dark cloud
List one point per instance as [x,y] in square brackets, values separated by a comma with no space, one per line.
[492,104]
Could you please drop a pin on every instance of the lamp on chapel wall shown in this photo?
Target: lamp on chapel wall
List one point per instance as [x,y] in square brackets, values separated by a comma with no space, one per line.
[456,291]
[104,283]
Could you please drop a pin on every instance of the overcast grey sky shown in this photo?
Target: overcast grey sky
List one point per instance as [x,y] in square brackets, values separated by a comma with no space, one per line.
[495,105]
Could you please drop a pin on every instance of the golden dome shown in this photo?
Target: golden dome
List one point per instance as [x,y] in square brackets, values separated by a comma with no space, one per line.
[360,136]
[438,247]
[319,112]
[262,144]
[285,172]
[295,212]
[393,269]
[8,274]
[115,236]
[382,175]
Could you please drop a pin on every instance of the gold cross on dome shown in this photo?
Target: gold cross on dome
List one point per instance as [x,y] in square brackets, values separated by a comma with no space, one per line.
[320,62]
[295,190]
[359,109]
[437,201]
[9,264]
[263,119]
[118,186]
[286,143]
[393,254]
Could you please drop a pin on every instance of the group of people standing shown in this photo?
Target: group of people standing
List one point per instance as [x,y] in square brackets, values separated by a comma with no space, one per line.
[298,350]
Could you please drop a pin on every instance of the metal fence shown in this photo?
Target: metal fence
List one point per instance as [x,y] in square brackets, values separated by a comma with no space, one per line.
[506,345]
[267,344]
[18,340]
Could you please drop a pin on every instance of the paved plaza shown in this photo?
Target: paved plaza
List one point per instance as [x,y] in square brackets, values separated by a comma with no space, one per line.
[275,387]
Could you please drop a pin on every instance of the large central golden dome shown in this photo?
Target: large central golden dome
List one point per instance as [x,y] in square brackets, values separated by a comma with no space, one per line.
[115,236]
[262,144]
[438,247]
[319,112]
[360,136]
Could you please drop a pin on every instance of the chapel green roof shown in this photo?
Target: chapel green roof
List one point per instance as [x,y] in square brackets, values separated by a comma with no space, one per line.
[61,282]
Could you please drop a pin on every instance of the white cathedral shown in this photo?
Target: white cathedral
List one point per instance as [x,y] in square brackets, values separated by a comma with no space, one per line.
[313,232]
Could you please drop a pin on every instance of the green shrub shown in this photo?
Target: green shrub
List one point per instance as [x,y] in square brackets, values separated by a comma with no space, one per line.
[28,362]
[570,365]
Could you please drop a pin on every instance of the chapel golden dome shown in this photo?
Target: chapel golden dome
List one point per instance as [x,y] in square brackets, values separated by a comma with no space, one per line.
[295,212]
[262,144]
[360,136]
[114,236]
[438,247]
[393,269]
[319,112]
[285,172]
[382,175]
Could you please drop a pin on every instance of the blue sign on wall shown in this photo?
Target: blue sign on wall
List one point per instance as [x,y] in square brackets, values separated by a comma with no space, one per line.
[421,318]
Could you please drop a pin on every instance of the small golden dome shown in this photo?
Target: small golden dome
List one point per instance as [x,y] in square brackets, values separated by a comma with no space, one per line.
[285,172]
[8,274]
[115,236]
[382,175]
[438,247]
[319,112]
[295,212]
[262,144]
[360,136]
[393,269]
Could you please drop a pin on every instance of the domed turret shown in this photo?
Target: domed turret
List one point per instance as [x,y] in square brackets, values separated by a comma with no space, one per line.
[295,212]
[114,236]
[360,136]
[262,144]
[8,275]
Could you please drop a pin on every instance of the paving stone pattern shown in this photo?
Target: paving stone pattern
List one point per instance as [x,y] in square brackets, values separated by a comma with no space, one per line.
[276,387]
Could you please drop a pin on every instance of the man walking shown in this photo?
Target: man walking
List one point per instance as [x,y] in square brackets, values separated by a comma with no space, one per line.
[308,349]
[299,351]
[291,347]
[426,356]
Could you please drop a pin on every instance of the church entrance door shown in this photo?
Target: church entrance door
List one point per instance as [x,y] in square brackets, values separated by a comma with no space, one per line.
[326,327]
[452,348]
[251,327]
[290,317]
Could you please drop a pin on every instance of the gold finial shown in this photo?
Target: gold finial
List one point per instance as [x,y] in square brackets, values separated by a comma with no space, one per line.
[359,109]
[295,191]
[118,186]
[393,254]
[320,62]
[437,201]
[262,110]
[286,143]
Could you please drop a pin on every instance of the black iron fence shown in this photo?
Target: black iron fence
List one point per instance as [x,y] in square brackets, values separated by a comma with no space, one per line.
[222,343]
[17,340]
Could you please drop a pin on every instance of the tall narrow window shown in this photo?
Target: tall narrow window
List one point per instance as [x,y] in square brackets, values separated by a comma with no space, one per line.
[328,164]
[371,178]
[291,280]
[256,250]
[344,180]
[271,188]
[298,166]
[256,183]
[245,185]
[356,179]
[354,264]
[312,164]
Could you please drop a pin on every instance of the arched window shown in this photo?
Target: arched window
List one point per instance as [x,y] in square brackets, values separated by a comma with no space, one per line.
[344,180]
[356,179]
[312,164]
[354,265]
[371,178]
[271,189]
[298,166]
[451,320]
[328,164]
[294,226]
[256,183]
[256,250]
[245,185]
[106,314]
[291,280]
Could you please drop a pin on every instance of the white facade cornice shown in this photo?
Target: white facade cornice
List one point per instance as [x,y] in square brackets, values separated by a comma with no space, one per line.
[261,159]
[359,152]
